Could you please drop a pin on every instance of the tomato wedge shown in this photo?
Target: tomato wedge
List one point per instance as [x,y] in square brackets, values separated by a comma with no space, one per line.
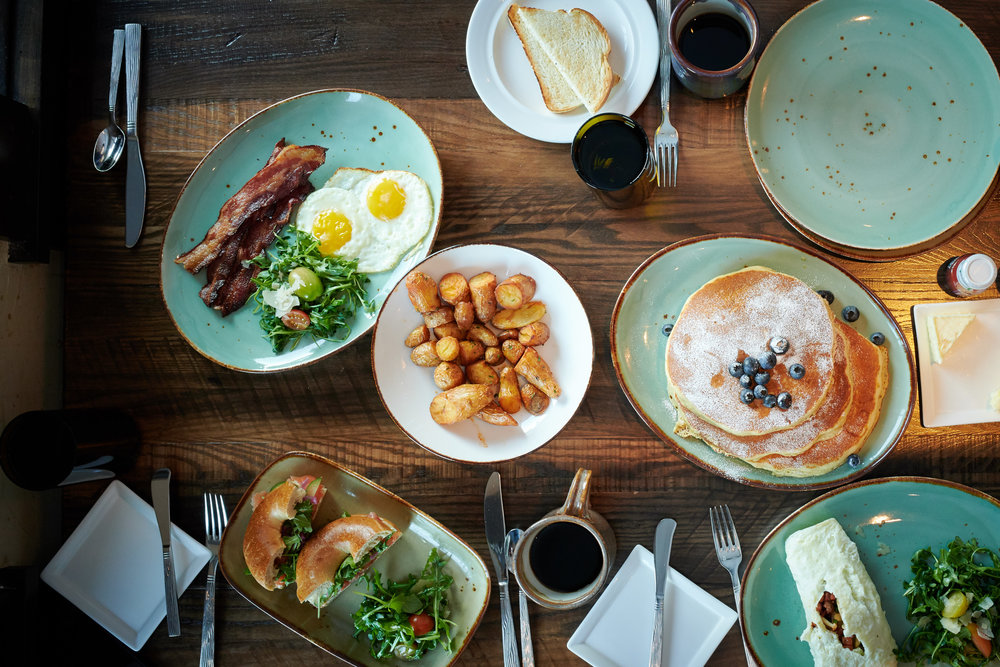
[982,643]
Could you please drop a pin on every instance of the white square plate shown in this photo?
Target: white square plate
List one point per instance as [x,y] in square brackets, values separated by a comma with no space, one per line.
[957,391]
[618,630]
[111,567]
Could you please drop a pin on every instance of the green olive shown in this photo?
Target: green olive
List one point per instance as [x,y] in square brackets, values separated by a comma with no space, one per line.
[309,285]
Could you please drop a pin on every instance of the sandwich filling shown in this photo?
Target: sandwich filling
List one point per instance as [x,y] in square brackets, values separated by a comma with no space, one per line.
[350,570]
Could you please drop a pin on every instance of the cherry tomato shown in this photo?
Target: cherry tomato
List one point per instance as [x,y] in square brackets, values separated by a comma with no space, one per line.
[422,624]
[984,645]
[308,283]
[296,319]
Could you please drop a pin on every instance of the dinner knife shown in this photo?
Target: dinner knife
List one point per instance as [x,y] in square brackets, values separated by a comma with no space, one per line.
[496,531]
[135,182]
[161,506]
[661,563]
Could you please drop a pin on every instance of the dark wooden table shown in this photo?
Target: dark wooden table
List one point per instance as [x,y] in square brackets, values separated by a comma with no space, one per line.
[209,65]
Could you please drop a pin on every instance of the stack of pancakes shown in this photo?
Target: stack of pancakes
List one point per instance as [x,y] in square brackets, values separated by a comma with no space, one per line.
[834,406]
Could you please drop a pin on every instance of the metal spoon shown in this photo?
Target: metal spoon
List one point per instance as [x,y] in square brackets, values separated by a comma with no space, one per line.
[111,141]
[527,653]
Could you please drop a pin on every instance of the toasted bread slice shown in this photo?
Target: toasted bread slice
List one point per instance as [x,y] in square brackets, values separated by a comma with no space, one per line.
[577,44]
[556,91]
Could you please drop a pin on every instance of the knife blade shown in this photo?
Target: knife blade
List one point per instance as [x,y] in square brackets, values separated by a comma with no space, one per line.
[135,182]
[496,532]
[661,563]
[160,488]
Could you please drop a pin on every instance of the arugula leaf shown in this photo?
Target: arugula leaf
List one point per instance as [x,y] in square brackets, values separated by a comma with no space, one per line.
[964,567]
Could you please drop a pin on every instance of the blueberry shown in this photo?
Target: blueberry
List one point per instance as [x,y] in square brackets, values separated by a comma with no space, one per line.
[778,345]
[750,366]
[826,294]
[667,328]
[878,338]
[736,369]
[767,360]
[784,400]
[770,401]
[760,391]
[854,460]
[762,378]
[746,396]
[797,371]
[850,313]
[746,381]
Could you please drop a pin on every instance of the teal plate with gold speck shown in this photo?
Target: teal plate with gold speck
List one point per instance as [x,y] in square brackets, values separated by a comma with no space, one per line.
[889,520]
[873,125]
[358,129]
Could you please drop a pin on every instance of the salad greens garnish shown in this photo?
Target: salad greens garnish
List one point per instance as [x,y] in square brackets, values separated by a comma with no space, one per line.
[405,619]
[329,304]
[953,601]
[299,527]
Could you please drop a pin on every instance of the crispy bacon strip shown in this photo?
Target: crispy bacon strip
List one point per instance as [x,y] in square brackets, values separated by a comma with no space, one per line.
[285,174]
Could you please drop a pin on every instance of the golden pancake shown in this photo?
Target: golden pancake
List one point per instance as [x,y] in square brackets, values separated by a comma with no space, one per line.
[734,316]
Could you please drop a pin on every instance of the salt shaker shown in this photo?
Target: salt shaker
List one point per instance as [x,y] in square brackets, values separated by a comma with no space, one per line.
[967,275]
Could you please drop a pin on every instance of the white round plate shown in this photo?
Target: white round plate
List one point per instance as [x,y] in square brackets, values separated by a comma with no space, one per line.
[506,83]
[406,389]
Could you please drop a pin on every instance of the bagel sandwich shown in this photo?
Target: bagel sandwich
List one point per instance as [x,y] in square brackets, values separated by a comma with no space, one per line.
[338,554]
[281,521]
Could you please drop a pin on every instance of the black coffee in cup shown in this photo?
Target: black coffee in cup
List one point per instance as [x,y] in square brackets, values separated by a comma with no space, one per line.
[565,557]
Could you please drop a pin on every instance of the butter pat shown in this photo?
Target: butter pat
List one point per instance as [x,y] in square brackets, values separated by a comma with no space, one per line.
[943,331]
[823,559]
[995,400]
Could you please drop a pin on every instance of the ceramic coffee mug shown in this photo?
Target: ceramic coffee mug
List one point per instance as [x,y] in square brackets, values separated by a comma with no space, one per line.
[562,560]
[713,45]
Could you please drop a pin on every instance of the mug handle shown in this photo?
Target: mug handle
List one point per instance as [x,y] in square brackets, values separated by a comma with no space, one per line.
[578,498]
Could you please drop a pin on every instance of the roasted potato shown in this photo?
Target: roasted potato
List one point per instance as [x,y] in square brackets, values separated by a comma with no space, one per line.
[509,395]
[422,291]
[439,316]
[534,400]
[507,334]
[470,351]
[454,289]
[512,350]
[448,375]
[484,300]
[447,348]
[515,291]
[534,369]
[494,414]
[449,329]
[465,315]
[523,316]
[483,335]
[425,355]
[493,355]
[533,334]
[460,403]
[419,335]
[481,372]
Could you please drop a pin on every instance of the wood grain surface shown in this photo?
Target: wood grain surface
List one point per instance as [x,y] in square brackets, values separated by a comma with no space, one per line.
[208,65]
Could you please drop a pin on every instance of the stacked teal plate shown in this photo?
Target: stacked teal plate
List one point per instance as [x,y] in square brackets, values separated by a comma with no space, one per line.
[873,125]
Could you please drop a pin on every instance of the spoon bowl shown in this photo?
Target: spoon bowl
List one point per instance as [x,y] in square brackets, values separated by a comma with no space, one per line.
[109,146]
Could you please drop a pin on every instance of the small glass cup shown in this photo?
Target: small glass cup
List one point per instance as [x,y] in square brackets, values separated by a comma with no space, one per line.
[703,80]
[612,155]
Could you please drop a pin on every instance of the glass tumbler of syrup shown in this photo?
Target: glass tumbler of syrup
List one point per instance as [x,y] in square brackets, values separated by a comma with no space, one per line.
[713,45]
[611,154]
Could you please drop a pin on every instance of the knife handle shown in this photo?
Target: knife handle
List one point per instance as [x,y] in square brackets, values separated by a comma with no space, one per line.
[656,648]
[133,46]
[170,590]
[507,627]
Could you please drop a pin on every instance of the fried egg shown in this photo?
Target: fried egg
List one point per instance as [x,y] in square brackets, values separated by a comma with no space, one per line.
[337,219]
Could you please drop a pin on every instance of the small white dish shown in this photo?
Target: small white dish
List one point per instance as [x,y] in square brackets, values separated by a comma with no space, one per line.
[111,567]
[406,389]
[957,391]
[618,630]
[503,78]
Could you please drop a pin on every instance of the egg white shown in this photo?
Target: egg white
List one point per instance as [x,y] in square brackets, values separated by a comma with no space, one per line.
[347,204]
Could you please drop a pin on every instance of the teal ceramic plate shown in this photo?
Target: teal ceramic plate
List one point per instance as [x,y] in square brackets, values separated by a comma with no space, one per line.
[655,294]
[893,517]
[873,125]
[359,129]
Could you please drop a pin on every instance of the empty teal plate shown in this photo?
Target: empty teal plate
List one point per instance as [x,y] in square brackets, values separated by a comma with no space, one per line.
[359,129]
[889,519]
[873,126]
[654,296]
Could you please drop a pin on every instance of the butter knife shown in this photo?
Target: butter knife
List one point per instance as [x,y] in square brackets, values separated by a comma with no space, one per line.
[496,533]
[661,563]
[161,506]
[135,183]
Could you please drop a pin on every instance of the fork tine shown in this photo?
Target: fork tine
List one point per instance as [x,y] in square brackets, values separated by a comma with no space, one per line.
[660,164]
[732,528]
[715,527]
[673,152]
[223,519]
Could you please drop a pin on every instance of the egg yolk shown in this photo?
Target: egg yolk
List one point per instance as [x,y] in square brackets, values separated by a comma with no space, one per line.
[386,200]
[333,229]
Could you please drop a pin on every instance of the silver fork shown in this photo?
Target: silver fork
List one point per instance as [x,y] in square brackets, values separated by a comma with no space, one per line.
[215,522]
[665,139]
[727,548]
